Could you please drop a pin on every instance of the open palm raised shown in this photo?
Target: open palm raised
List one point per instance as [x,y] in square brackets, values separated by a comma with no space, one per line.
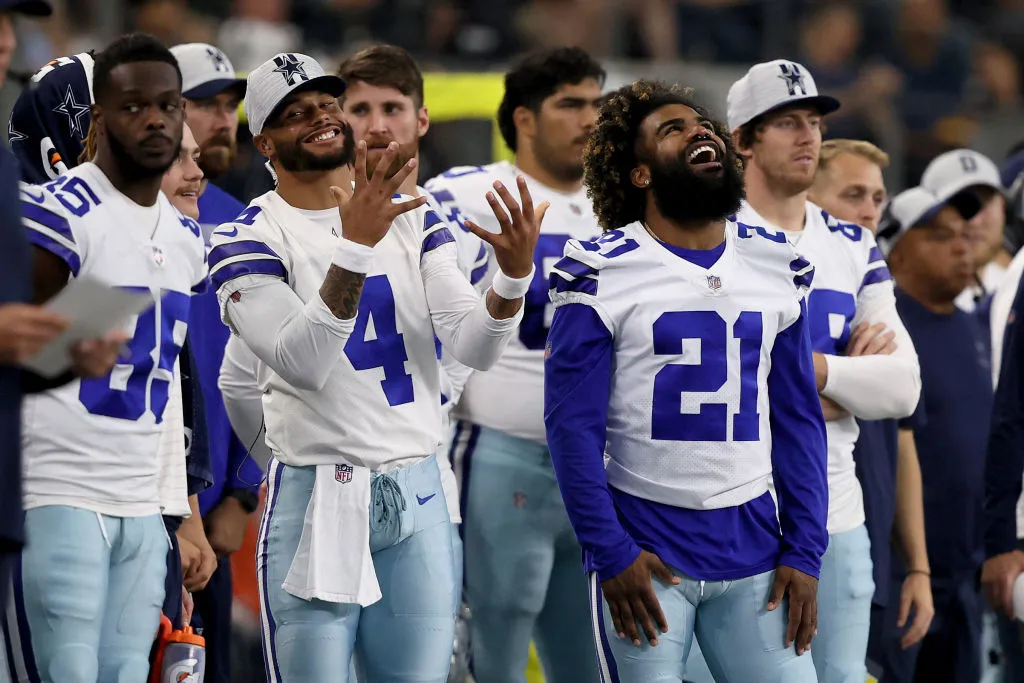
[520,228]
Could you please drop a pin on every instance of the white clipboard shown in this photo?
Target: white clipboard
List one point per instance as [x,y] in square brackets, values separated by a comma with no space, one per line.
[94,309]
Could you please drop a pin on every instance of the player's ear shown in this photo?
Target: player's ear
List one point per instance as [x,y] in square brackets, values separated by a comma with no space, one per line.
[525,121]
[737,144]
[264,145]
[422,122]
[641,176]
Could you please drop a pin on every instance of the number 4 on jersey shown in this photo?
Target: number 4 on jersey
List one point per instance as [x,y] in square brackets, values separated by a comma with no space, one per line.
[377,343]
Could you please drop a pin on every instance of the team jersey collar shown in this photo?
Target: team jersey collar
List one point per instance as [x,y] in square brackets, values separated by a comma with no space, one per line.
[713,281]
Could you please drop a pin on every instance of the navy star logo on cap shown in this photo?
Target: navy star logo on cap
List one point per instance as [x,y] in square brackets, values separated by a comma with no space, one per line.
[794,78]
[290,67]
[74,111]
[220,61]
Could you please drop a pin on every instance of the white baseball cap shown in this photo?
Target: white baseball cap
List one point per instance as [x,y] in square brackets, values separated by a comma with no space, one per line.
[278,77]
[771,85]
[953,172]
[917,206]
[205,71]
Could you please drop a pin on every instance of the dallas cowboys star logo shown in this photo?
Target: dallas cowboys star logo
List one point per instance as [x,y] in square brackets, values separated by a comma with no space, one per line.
[220,61]
[290,67]
[74,111]
[794,79]
[13,135]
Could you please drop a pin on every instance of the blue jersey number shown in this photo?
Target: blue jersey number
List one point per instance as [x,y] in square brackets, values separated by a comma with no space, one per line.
[825,307]
[708,376]
[74,194]
[533,331]
[387,347]
[152,347]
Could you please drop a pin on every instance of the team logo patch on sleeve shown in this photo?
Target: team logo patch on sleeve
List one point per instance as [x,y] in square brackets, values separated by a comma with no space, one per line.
[343,473]
[236,297]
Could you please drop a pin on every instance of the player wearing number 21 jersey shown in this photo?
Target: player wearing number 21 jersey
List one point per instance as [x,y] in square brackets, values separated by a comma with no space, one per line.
[90,585]
[679,351]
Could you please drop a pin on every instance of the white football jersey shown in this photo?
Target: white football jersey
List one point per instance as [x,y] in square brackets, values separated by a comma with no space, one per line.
[849,271]
[381,404]
[689,415]
[520,371]
[94,443]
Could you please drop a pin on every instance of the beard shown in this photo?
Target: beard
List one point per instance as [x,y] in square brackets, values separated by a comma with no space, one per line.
[685,196]
[131,166]
[295,158]
[218,153]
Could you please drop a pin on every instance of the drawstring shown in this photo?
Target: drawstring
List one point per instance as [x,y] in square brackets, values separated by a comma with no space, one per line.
[386,504]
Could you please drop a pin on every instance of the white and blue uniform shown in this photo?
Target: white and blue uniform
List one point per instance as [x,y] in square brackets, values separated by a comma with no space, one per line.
[851,285]
[690,372]
[90,586]
[359,397]
[523,574]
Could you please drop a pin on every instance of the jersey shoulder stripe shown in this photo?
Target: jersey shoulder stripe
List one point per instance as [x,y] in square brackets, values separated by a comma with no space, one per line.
[774,244]
[237,249]
[435,232]
[48,227]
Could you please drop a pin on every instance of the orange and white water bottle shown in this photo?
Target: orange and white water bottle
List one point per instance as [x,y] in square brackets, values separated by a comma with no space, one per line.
[180,656]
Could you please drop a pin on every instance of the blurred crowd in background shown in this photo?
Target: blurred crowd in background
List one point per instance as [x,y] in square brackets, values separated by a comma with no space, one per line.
[915,76]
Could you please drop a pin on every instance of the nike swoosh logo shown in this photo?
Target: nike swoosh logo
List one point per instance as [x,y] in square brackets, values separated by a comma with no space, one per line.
[38,199]
[421,501]
[225,233]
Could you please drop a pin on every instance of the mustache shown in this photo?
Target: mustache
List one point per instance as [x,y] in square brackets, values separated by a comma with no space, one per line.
[220,140]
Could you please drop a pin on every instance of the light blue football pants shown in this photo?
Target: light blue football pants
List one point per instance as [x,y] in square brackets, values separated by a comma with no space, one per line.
[845,590]
[405,636]
[524,573]
[87,596]
[742,642]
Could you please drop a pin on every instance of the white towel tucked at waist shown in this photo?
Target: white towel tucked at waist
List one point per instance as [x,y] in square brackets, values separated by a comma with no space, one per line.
[333,561]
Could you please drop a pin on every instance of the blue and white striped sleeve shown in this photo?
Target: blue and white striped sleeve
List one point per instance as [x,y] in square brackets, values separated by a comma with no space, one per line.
[876,272]
[435,233]
[230,260]
[48,227]
[574,280]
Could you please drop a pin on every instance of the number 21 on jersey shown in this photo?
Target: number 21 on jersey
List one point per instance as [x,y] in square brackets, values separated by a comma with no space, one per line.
[710,375]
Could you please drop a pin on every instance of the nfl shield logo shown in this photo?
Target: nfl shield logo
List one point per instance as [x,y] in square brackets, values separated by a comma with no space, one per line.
[343,473]
[158,256]
[714,282]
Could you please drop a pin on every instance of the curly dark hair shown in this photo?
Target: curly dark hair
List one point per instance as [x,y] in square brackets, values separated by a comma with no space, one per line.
[611,153]
[128,49]
[536,77]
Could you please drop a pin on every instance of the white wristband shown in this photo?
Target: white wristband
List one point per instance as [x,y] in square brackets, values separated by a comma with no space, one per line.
[353,257]
[512,288]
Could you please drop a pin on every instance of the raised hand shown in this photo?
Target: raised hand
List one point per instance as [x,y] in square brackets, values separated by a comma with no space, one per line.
[368,210]
[631,599]
[520,228]
[803,605]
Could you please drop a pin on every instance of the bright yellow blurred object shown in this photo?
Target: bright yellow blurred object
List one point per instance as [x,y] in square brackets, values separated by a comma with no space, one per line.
[534,672]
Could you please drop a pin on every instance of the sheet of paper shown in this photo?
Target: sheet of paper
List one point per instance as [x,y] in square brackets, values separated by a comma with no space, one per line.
[94,309]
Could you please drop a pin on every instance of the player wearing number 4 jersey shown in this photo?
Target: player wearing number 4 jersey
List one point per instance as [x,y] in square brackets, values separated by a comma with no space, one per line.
[523,574]
[865,363]
[343,312]
[90,585]
[679,350]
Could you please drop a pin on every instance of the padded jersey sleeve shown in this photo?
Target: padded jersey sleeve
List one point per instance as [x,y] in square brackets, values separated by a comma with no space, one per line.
[300,341]
[459,313]
[879,386]
[577,389]
[50,226]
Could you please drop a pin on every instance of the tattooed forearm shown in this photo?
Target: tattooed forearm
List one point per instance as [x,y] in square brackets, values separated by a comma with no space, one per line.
[501,309]
[341,290]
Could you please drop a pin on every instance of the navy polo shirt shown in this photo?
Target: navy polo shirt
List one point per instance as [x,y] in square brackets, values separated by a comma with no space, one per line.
[956,395]
[15,286]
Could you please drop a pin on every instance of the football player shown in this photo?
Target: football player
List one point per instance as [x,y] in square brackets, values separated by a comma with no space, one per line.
[864,361]
[522,559]
[89,588]
[343,312]
[679,352]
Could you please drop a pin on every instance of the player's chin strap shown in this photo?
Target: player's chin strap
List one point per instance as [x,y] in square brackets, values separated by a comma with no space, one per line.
[387,504]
